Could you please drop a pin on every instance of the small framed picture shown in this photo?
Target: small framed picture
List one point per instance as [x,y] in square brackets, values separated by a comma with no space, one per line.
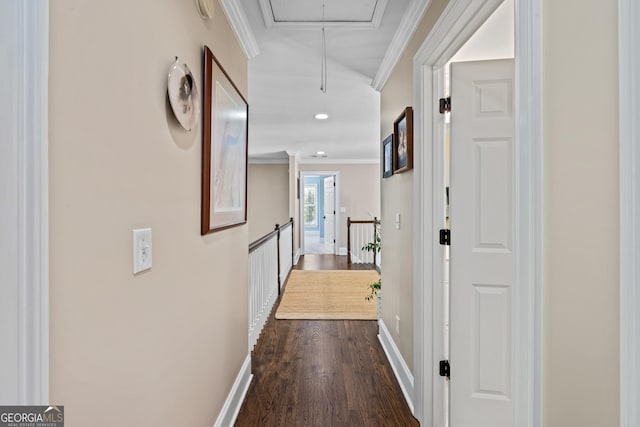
[387,156]
[403,141]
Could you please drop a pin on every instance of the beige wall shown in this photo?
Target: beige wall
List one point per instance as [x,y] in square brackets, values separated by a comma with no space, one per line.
[359,192]
[397,197]
[581,259]
[268,198]
[162,347]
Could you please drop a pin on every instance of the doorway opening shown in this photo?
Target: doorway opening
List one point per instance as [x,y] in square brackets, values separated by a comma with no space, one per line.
[318,212]
[458,22]
[478,163]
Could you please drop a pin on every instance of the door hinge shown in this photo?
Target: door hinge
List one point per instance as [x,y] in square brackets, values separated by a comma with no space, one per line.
[445,237]
[445,369]
[445,105]
[334,212]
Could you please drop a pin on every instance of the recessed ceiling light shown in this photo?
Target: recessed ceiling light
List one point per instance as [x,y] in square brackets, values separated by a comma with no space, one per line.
[322,116]
[320,153]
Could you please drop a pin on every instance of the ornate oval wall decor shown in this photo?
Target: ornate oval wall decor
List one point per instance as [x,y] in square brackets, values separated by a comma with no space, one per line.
[205,7]
[183,95]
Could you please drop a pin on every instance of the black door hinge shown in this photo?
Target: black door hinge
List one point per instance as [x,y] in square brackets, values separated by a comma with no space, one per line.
[445,369]
[445,237]
[445,105]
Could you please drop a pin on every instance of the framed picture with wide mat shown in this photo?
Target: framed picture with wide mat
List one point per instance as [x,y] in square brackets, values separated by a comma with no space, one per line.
[224,150]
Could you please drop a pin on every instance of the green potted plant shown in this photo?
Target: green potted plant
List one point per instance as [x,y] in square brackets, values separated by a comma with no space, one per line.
[375,288]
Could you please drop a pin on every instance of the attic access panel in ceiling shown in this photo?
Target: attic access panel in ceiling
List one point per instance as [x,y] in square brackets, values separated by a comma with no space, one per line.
[308,13]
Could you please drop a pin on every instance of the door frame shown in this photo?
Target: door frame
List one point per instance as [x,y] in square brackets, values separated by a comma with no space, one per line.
[629,109]
[336,196]
[459,20]
[28,127]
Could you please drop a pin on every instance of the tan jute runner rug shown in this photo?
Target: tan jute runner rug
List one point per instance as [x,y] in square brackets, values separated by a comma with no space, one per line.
[328,294]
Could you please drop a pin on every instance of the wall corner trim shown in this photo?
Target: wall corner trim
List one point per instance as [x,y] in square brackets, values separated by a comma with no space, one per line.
[629,109]
[231,407]
[237,17]
[399,366]
[408,25]
[31,64]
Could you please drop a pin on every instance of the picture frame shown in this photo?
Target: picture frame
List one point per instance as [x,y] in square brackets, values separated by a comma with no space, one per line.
[403,141]
[387,156]
[224,150]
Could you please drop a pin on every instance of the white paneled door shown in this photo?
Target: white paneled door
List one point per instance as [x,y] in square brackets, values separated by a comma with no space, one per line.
[329,214]
[482,242]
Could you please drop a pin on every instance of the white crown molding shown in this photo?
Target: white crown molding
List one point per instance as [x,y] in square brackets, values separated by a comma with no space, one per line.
[267,13]
[295,154]
[408,24]
[376,19]
[378,13]
[327,161]
[629,110]
[259,161]
[237,17]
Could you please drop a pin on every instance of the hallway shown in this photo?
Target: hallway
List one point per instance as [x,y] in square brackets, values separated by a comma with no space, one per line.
[322,373]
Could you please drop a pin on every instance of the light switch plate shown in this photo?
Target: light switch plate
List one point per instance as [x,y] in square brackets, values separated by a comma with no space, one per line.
[398,221]
[142,250]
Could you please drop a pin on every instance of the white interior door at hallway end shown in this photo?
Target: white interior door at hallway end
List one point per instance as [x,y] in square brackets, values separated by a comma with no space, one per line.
[329,214]
[482,243]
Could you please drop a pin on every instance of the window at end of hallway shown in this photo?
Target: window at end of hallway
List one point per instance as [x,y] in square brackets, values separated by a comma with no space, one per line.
[310,205]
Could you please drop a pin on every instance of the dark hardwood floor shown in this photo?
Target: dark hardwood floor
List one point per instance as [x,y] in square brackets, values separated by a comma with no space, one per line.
[328,262]
[325,373]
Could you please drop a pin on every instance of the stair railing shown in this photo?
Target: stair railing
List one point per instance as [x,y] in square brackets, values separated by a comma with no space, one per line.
[270,262]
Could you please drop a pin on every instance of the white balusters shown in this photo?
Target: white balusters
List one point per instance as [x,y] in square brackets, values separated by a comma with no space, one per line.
[263,286]
[361,233]
[286,250]
[263,276]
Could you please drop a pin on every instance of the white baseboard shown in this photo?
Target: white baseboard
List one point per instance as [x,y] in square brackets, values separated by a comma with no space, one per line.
[229,412]
[399,366]
[296,257]
[342,251]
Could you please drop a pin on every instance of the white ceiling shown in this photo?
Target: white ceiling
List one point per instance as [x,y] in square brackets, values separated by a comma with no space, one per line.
[284,79]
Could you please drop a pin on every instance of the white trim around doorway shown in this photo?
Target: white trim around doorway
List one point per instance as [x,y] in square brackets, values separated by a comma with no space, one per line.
[629,110]
[461,19]
[28,127]
[336,246]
